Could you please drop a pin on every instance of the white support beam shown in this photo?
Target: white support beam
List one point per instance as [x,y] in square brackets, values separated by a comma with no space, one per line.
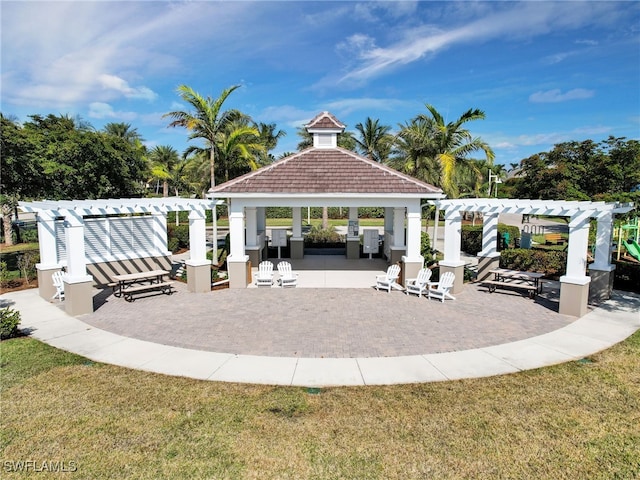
[236,232]
[398,227]
[76,257]
[197,236]
[489,235]
[604,239]
[47,240]
[251,222]
[577,250]
[452,236]
[297,223]
[414,230]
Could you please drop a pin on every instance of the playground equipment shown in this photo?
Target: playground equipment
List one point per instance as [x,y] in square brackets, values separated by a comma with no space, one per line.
[631,242]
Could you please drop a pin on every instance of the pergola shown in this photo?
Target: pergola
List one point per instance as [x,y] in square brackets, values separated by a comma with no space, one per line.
[94,239]
[323,175]
[575,284]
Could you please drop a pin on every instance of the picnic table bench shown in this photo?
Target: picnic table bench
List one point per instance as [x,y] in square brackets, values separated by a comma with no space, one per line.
[128,284]
[554,239]
[515,279]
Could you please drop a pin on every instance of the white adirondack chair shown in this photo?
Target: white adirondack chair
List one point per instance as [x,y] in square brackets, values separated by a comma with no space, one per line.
[287,277]
[265,274]
[59,285]
[419,285]
[389,279]
[442,287]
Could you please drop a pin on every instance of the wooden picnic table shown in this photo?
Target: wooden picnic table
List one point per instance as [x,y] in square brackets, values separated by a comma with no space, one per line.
[128,284]
[518,279]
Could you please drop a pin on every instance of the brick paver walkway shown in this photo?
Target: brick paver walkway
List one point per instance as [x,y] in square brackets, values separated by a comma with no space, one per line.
[341,323]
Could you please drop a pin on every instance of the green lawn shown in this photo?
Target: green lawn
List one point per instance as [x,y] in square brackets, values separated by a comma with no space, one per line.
[579,420]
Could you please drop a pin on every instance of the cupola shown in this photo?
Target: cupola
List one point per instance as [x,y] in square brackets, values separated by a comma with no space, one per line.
[325,129]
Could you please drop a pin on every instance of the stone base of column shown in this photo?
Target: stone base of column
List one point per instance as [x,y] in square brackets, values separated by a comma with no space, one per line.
[574,295]
[198,276]
[601,285]
[45,280]
[78,296]
[396,254]
[296,246]
[254,253]
[486,264]
[410,269]
[353,249]
[239,272]
[458,270]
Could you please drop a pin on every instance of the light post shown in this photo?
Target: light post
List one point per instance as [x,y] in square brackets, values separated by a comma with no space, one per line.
[496,180]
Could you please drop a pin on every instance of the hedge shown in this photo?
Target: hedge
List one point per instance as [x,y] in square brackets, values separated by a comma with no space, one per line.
[471,237]
[549,262]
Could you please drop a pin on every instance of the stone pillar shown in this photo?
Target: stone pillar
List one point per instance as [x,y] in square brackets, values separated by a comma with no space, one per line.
[48,255]
[452,242]
[488,257]
[78,286]
[601,270]
[353,241]
[574,286]
[237,261]
[297,242]
[198,267]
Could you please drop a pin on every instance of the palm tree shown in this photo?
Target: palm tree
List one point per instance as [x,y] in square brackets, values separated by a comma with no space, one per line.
[163,159]
[269,138]
[124,131]
[413,151]
[206,120]
[237,147]
[453,144]
[375,140]
[346,140]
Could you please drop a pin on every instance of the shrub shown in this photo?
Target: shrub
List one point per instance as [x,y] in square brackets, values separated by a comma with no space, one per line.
[180,233]
[9,320]
[320,235]
[471,238]
[551,263]
[27,264]
[626,276]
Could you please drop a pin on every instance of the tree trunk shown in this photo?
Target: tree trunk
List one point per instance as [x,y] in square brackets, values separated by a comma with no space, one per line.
[325,218]
[6,220]
[165,189]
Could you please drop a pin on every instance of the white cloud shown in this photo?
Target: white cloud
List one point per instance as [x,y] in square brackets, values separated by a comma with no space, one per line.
[101,110]
[521,21]
[113,82]
[556,95]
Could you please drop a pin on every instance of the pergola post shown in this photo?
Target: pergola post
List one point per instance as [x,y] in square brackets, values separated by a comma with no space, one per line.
[489,257]
[574,286]
[452,241]
[297,242]
[237,261]
[48,256]
[353,241]
[198,267]
[413,261]
[78,295]
[601,270]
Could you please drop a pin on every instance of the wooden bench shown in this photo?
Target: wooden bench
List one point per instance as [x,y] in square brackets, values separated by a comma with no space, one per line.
[164,287]
[554,239]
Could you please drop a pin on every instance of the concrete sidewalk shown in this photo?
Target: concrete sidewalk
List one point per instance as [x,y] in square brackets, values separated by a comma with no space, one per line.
[606,325]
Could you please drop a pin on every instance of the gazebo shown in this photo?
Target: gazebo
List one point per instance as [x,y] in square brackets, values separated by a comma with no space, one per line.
[577,288]
[323,175]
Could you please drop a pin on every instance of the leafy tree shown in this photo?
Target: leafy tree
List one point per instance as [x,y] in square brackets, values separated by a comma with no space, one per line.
[205,121]
[374,140]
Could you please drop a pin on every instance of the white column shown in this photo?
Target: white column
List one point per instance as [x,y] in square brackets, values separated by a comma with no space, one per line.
[577,251]
[76,258]
[160,232]
[47,240]
[251,226]
[452,236]
[489,235]
[398,227]
[604,238]
[414,231]
[388,219]
[436,224]
[236,232]
[197,237]
[297,223]
[261,213]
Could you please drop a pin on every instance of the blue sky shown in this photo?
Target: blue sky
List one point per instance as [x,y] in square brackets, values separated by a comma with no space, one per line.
[543,72]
